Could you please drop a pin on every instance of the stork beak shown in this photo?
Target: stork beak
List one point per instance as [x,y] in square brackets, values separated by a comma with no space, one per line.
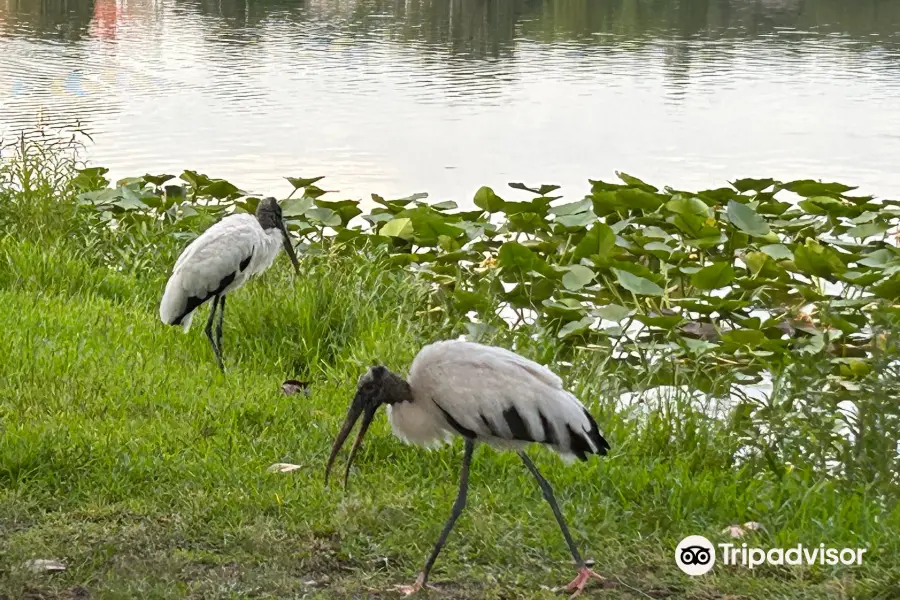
[289,248]
[359,407]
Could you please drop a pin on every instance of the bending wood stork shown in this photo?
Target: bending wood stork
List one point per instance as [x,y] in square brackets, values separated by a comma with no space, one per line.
[483,394]
[220,261]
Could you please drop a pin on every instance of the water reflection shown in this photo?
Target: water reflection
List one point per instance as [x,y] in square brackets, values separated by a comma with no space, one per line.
[402,95]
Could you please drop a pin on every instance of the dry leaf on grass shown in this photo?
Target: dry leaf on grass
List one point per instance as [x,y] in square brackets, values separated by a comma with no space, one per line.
[294,386]
[45,565]
[283,468]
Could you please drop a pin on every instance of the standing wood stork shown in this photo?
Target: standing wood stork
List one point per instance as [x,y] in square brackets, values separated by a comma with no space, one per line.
[220,261]
[483,394]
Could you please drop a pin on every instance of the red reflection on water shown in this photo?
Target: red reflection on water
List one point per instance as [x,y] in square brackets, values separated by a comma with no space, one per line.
[104,21]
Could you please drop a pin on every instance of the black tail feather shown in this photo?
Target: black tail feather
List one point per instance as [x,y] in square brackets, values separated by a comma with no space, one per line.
[596,437]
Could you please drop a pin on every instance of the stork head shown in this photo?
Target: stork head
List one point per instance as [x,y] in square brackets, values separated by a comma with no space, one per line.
[268,213]
[376,387]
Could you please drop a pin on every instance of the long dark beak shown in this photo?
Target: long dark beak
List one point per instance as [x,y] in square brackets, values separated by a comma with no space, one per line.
[357,408]
[289,248]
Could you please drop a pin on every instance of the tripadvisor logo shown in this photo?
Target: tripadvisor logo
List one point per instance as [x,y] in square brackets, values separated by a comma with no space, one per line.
[696,555]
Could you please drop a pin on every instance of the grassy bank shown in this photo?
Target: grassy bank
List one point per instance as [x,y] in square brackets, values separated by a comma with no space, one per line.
[125,454]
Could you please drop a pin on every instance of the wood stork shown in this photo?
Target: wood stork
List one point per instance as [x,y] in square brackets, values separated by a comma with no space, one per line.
[220,261]
[483,394]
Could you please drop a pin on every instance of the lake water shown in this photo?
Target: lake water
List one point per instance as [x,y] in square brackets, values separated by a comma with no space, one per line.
[401,96]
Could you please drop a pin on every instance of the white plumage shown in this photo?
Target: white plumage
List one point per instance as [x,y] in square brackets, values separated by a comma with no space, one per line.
[506,400]
[220,261]
[483,394]
[217,262]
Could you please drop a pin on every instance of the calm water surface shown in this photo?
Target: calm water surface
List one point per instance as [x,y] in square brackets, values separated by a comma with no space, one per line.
[400,96]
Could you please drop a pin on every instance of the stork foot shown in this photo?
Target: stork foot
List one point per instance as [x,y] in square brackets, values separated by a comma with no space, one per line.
[577,585]
[408,590]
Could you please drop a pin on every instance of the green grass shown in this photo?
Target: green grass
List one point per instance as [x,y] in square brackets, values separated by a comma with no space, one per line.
[128,456]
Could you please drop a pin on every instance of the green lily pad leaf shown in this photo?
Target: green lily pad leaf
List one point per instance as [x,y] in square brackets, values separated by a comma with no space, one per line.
[526,222]
[398,204]
[90,179]
[635,182]
[715,276]
[867,230]
[218,189]
[658,247]
[705,242]
[605,203]
[194,179]
[717,196]
[889,289]
[813,345]
[861,279]
[878,259]
[698,347]
[446,205]
[582,219]
[314,191]
[744,337]
[301,182]
[822,205]
[634,198]
[778,251]
[326,216]
[466,300]
[689,206]
[572,208]
[564,308]
[755,261]
[577,277]
[448,244]
[808,188]
[129,200]
[515,256]
[574,327]
[667,322]
[613,312]
[347,209]
[157,180]
[541,191]
[620,226]
[376,218]
[815,259]
[655,232]
[695,227]
[400,228]
[754,185]
[636,284]
[486,199]
[746,219]
[866,217]
[853,367]
[295,207]
[599,241]
[773,207]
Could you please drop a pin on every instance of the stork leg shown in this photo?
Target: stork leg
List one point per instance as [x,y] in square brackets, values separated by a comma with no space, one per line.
[584,574]
[458,507]
[209,333]
[219,325]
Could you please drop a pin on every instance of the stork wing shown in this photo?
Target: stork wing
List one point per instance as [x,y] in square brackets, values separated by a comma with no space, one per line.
[217,259]
[496,395]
